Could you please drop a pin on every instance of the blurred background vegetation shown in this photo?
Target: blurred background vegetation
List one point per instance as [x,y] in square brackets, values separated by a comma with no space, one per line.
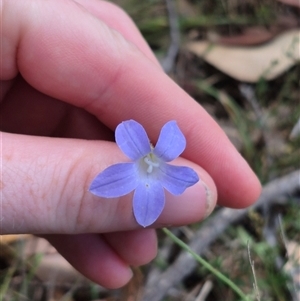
[256,100]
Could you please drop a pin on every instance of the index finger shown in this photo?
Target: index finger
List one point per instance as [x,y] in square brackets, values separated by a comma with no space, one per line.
[71,54]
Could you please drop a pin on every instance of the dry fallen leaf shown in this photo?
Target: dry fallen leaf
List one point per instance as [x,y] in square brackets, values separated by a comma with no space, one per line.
[53,267]
[7,239]
[255,35]
[249,64]
[251,36]
[295,3]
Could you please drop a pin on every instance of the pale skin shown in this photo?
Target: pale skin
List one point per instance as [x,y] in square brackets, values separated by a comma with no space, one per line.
[75,70]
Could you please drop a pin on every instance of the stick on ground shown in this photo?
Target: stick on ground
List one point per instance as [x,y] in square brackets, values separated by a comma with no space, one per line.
[275,191]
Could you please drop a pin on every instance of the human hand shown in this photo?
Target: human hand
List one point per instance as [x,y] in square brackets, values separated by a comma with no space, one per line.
[75,70]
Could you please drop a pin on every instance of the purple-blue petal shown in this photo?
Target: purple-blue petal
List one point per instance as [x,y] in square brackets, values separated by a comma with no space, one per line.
[115,181]
[148,202]
[132,139]
[176,179]
[171,142]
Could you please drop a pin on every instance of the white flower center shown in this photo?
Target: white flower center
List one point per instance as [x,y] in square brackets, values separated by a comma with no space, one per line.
[150,161]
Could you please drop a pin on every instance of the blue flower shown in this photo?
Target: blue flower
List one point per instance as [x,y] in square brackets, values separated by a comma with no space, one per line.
[149,173]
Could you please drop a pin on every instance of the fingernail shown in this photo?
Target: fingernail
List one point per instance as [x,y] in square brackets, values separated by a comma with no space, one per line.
[210,204]
[131,273]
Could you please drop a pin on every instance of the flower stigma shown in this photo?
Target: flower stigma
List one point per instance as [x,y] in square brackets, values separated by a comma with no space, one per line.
[150,161]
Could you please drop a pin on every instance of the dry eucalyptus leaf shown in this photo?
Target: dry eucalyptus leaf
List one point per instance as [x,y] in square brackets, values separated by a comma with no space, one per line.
[52,268]
[249,64]
[256,35]
[295,3]
[7,239]
[251,36]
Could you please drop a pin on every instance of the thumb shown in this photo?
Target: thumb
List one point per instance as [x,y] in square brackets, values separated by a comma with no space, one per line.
[45,189]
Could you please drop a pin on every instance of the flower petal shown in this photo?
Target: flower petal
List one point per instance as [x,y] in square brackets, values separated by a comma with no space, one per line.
[177,178]
[171,142]
[116,180]
[132,139]
[148,202]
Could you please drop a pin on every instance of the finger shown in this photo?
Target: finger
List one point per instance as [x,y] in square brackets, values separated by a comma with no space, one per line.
[117,19]
[82,125]
[117,85]
[46,181]
[136,247]
[5,86]
[93,257]
[25,110]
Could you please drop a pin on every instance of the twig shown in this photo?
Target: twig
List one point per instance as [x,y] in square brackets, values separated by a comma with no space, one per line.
[295,131]
[274,191]
[207,265]
[168,62]
[248,92]
[255,286]
[294,288]
[207,287]
[163,255]
[270,233]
